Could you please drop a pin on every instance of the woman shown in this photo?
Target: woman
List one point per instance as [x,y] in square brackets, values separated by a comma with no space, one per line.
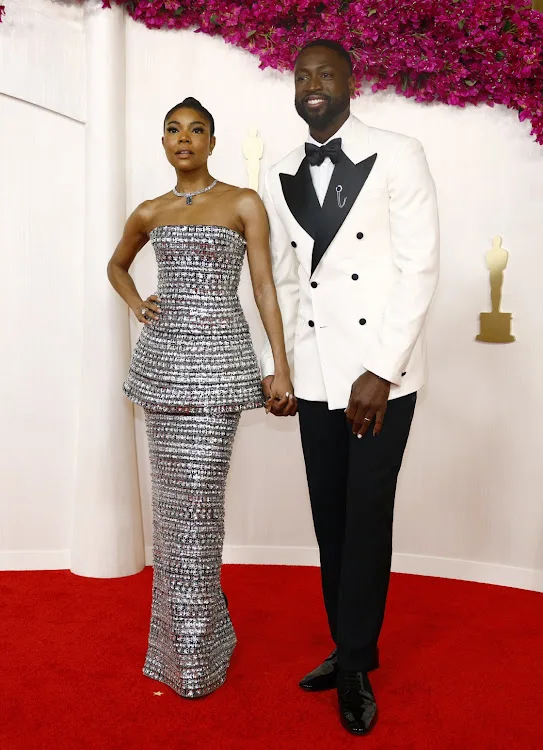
[193,371]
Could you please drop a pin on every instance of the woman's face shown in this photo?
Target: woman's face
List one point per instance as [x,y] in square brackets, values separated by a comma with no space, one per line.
[187,139]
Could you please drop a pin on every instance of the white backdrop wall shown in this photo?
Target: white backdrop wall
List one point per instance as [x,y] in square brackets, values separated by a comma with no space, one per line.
[42,174]
[469,498]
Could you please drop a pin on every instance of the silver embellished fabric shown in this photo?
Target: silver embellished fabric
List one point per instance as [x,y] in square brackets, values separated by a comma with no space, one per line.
[193,370]
[191,638]
[198,356]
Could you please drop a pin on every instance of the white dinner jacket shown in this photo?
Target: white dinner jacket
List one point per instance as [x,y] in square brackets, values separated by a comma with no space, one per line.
[356,276]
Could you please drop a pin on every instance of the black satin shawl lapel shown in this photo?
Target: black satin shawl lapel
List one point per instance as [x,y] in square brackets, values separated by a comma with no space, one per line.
[346,183]
[301,198]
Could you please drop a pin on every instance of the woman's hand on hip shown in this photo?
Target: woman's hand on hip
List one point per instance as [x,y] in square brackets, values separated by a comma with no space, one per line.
[147,310]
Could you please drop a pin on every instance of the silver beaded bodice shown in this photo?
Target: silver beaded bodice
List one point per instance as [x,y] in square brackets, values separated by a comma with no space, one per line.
[198,356]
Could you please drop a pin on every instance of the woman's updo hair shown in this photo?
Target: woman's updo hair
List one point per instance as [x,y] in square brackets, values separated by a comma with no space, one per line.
[191,103]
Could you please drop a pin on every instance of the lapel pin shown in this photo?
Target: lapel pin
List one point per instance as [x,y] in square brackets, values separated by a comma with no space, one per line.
[341,203]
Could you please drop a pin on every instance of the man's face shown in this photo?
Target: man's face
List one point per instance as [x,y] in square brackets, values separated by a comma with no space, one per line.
[324,86]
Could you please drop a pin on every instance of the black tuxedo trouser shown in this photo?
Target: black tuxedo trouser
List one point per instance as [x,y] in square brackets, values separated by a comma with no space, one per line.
[352,484]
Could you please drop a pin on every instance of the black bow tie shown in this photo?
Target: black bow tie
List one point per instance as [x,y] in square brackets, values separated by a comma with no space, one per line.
[317,154]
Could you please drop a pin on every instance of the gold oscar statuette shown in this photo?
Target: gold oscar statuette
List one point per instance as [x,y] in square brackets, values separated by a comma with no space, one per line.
[495,326]
[253,148]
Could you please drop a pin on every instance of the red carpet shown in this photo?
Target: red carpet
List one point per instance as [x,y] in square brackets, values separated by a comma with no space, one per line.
[462,667]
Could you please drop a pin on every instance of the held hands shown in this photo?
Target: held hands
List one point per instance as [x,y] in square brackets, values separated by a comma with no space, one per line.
[147,310]
[280,399]
[368,401]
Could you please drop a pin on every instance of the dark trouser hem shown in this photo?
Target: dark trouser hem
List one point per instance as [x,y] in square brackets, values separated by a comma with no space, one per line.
[348,662]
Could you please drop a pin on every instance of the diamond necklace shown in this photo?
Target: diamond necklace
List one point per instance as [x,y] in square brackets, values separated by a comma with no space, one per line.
[190,196]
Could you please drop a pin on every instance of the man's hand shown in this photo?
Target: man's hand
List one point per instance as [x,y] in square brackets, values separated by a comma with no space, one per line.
[368,401]
[285,406]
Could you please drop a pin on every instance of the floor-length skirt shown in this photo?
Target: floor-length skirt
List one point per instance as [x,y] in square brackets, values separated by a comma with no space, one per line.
[191,637]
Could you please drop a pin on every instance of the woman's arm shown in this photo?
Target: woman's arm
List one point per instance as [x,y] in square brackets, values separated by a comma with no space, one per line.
[135,236]
[257,232]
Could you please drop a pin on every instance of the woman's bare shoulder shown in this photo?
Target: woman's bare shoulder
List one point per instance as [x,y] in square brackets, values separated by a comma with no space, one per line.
[147,210]
[244,197]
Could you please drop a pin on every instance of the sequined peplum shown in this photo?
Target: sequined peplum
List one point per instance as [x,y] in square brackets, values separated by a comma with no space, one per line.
[198,356]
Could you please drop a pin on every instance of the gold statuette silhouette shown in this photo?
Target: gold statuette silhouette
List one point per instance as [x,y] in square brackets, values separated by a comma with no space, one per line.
[495,326]
[253,148]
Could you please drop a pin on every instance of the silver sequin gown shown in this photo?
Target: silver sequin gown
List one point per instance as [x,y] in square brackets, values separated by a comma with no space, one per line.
[193,371]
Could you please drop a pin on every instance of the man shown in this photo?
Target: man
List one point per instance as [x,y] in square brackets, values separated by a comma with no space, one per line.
[354,233]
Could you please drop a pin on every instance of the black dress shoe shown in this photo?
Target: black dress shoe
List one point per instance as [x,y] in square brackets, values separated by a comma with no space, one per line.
[357,706]
[323,677]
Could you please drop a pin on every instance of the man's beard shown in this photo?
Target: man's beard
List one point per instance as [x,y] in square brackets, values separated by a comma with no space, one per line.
[320,121]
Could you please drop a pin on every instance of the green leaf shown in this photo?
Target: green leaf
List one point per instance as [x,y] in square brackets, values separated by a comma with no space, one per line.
[372,12]
[214,19]
[500,55]
[250,33]
[470,83]
[178,11]
[461,23]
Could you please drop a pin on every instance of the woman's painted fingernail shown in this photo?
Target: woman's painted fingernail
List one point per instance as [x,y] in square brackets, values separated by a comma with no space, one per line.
[359,436]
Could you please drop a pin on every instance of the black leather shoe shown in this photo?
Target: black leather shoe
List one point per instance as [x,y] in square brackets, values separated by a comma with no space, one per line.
[324,677]
[357,706]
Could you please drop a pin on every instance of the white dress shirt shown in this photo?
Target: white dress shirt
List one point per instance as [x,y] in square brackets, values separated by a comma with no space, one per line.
[322,174]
